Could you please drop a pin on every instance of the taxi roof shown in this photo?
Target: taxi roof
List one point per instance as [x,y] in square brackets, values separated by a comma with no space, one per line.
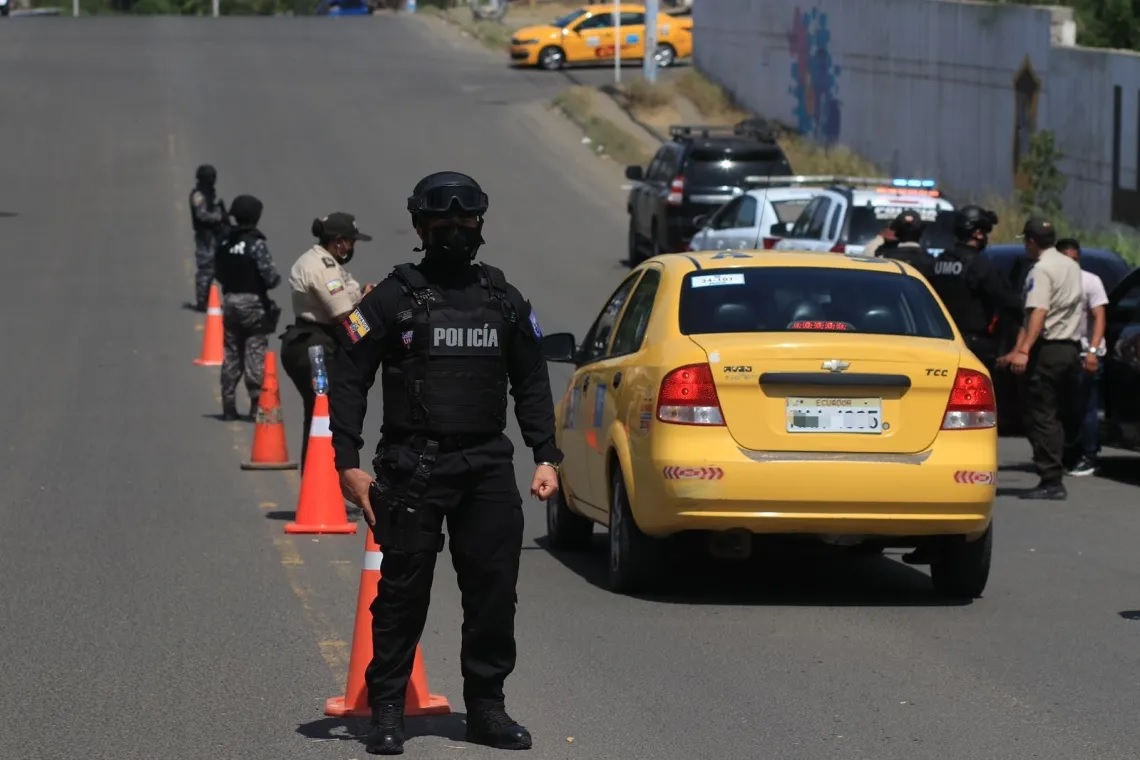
[693,261]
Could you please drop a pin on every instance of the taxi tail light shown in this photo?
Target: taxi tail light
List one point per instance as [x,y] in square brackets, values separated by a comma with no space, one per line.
[688,397]
[972,404]
[676,191]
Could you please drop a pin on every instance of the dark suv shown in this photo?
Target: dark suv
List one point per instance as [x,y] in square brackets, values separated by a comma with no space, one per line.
[699,170]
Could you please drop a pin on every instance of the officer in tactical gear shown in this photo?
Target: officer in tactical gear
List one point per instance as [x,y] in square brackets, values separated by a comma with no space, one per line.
[907,231]
[974,293]
[246,273]
[451,335]
[209,219]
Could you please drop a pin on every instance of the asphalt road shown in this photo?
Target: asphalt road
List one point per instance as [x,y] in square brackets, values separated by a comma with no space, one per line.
[152,606]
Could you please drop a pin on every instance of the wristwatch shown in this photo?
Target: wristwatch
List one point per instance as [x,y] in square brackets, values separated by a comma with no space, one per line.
[547,464]
[1102,351]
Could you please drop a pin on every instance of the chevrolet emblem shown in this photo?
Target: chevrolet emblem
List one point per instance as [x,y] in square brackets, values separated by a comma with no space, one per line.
[835,365]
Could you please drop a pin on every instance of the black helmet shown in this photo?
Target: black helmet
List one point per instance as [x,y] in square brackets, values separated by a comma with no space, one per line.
[447,193]
[206,174]
[969,219]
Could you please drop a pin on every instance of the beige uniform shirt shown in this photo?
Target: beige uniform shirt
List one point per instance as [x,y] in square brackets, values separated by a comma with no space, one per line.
[1054,284]
[873,245]
[321,288]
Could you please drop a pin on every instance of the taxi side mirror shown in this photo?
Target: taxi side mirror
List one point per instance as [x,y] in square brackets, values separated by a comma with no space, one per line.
[560,348]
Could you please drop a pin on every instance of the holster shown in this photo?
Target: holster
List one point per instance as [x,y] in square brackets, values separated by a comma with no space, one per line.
[399,524]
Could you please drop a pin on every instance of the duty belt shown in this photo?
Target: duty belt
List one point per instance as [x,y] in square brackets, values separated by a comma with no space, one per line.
[444,444]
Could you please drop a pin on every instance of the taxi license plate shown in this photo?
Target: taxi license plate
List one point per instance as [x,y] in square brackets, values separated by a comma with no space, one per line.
[835,415]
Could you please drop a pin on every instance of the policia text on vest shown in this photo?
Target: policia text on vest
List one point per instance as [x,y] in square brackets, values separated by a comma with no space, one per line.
[448,346]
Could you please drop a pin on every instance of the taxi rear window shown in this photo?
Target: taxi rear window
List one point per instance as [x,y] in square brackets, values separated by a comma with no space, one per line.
[812,299]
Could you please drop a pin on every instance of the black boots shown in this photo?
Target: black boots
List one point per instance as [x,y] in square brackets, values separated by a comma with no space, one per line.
[490,725]
[386,734]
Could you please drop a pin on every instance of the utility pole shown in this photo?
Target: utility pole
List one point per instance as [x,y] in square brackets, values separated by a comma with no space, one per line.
[216,11]
[649,63]
[617,41]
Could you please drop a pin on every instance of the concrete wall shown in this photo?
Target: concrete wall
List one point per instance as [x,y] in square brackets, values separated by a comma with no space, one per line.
[933,88]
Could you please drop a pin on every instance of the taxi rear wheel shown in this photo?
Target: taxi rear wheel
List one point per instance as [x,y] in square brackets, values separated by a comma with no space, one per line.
[634,557]
[566,530]
[962,569]
[551,58]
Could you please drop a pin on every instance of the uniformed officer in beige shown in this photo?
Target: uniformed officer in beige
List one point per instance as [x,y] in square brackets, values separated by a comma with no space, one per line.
[323,293]
[1047,354]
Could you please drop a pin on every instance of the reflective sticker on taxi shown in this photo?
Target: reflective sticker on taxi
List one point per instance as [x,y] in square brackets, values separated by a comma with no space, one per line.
[975,477]
[693,473]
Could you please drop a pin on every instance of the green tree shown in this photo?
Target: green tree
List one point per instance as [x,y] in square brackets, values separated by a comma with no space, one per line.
[1044,181]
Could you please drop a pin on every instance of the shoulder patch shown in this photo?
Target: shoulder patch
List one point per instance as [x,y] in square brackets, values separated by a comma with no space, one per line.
[534,323]
[334,286]
[404,316]
[356,326]
[197,197]
[328,262]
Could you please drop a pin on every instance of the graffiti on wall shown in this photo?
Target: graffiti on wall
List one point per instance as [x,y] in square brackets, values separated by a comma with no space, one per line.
[815,79]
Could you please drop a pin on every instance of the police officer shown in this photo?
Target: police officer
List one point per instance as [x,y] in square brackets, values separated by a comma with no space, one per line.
[907,231]
[246,273]
[1047,354]
[208,217]
[323,293]
[974,293]
[450,335]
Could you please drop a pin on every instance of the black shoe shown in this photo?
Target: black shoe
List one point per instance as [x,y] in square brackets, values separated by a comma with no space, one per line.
[252,416]
[386,733]
[491,726]
[229,413]
[1047,492]
[1084,466]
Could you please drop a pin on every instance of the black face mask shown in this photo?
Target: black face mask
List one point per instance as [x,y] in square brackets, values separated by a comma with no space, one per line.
[452,245]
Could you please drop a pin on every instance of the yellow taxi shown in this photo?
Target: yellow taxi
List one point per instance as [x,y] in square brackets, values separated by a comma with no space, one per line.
[725,395]
[598,33]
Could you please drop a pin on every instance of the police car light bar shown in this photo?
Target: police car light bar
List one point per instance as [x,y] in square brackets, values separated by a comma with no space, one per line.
[917,184]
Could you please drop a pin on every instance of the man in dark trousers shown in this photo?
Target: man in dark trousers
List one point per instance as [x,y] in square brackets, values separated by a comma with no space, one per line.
[449,335]
[1047,354]
[974,293]
[907,228]
[209,219]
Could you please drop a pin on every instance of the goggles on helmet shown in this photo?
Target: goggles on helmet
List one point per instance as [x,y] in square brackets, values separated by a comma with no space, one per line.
[450,199]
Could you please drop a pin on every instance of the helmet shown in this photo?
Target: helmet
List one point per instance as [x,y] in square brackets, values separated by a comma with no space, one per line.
[206,174]
[969,219]
[447,193]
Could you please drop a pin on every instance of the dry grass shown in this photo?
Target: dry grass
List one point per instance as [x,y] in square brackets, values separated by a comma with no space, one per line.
[577,103]
[494,35]
[645,96]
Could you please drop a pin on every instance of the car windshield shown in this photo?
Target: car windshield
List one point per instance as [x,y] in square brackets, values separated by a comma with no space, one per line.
[869,221]
[784,299]
[564,21]
[719,169]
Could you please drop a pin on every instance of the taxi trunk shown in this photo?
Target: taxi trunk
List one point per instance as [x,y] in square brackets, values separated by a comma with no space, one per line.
[831,392]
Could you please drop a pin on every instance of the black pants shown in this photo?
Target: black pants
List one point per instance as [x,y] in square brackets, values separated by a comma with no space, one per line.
[984,347]
[295,342]
[475,489]
[1050,385]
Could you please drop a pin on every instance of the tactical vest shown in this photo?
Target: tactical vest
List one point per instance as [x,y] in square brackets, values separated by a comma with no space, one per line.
[211,202]
[956,284]
[235,267]
[449,374]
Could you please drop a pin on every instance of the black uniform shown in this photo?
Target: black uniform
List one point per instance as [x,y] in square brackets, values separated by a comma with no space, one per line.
[448,341]
[911,253]
[976,297]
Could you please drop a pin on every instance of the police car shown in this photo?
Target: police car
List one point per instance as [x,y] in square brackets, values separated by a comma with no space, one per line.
[845,217]
[744,222]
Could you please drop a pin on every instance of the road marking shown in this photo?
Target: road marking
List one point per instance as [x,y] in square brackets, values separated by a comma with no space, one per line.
[170,147]
[334,650]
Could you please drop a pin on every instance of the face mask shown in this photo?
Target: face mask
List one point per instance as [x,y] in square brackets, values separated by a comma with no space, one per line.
[347,255]
[983,241]
[453,245]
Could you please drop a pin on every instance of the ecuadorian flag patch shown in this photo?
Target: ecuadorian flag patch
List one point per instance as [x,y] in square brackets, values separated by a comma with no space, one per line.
[356,326]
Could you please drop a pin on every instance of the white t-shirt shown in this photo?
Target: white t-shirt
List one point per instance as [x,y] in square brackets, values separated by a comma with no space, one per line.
[1095,296]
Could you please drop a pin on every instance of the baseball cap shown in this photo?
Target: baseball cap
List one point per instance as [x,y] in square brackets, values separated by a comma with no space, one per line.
[1038,229]
[907,220]
[343,225]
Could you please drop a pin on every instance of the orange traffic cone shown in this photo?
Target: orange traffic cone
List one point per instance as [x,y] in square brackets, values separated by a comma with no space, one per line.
[212,348]
[354,703]
[320,508]
[270,451]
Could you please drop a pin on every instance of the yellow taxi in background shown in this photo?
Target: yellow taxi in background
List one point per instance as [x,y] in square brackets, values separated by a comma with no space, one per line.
[728,394]
[595,33]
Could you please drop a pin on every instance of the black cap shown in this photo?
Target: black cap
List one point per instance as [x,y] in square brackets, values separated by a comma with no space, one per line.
[1040,231]
[340,224]
[907,220]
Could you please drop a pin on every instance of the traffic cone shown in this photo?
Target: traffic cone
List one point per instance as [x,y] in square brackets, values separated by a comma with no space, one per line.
[354,703]
[270,451]
[320,508]
[212,348]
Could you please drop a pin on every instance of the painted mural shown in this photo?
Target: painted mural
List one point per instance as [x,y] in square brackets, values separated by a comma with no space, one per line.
[815,78]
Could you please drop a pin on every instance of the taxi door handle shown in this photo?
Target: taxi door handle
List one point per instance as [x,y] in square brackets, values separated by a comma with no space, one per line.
[617,379]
